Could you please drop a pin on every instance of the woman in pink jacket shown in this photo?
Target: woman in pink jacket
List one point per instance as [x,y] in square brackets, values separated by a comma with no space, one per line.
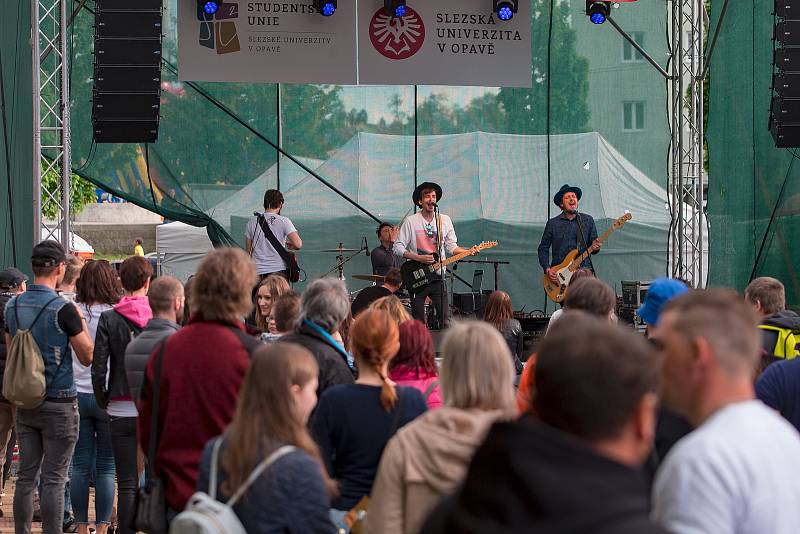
[415,363]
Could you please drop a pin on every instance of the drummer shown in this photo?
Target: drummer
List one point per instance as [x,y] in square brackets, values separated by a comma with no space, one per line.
[391,284]
[382,256]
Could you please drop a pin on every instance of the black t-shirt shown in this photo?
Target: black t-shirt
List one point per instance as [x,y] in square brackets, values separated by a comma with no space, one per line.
[352,429]
[69,320]
[367,296]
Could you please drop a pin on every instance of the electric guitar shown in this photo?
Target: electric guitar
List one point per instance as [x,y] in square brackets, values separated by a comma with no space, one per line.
[417,275]
[557,291]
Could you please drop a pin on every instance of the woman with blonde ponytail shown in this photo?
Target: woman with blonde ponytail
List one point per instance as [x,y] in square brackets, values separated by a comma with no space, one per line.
[353,422]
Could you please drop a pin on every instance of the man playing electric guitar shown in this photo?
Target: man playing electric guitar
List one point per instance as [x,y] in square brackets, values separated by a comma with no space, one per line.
[417,241]
[568,231]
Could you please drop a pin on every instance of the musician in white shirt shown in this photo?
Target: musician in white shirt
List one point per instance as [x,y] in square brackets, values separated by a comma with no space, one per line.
[418,240]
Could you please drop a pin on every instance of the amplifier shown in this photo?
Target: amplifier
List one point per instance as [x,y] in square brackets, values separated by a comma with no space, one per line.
[533,330]
[634,292]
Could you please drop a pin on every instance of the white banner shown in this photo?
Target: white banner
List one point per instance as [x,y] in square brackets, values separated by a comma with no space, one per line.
[444,42]
[437,42]
[261,41]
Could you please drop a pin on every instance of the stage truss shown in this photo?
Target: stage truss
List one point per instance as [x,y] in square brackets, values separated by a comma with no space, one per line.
[688,254]
[51,146]
[686,19]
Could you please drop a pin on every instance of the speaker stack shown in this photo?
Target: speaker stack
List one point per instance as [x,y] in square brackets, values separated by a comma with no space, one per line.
[784,122]
[127,71]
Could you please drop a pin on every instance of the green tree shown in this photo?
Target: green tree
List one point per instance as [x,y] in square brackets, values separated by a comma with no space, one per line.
[525,110]
[82,193]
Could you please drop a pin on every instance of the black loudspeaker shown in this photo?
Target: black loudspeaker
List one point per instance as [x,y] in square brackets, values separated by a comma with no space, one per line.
[787,84]
[787,32]
[127,71]
[787,59]
[787,9]
[471,303]
[785,135]
[533,330]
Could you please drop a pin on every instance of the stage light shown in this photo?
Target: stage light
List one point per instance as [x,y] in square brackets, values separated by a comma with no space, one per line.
[597,11]
[395,8]
[505,9]
[325,7]
[209,6]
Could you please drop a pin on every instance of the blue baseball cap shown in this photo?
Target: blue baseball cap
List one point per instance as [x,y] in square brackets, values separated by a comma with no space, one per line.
[661,291]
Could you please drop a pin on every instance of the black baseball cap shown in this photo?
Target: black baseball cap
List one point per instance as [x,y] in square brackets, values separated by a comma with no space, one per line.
[48,254]
[11,278]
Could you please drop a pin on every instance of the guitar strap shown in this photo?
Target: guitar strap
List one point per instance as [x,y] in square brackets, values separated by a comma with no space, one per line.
[583,239]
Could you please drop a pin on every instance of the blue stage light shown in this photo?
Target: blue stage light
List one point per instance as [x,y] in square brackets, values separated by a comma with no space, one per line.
[598,18]
[400,11]
[394,8]
[328,9]
[505,9]
[210,7]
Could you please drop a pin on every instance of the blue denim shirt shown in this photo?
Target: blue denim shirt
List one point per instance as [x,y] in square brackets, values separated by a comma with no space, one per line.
[53,342]
[562,234]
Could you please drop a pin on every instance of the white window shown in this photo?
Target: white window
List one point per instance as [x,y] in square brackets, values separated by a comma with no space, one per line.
[632,116]
[629,53]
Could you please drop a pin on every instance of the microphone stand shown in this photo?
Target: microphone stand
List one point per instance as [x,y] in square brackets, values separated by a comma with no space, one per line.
[340,263]
[583,238]
[440,253]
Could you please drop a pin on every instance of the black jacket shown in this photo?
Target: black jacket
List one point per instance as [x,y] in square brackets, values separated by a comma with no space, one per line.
[4,298]
[333,368]
[529,477]
[114,332]
[138,352]
[512,333]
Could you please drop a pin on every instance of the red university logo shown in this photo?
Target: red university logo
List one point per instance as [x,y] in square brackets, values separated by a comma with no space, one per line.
[397,37]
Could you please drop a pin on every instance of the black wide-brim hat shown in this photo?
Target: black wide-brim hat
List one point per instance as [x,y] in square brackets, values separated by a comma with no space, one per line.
[426,185]
[566,188]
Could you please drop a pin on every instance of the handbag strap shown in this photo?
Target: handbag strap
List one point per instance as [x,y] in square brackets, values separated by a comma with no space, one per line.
[41,311]
[279,248]
[260,468]
[151,445]
[430,389]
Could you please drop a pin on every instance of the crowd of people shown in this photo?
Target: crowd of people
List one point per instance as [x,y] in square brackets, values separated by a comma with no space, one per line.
[305,415]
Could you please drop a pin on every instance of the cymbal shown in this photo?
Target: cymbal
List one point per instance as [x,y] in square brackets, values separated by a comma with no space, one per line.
[368,277]
[341,250]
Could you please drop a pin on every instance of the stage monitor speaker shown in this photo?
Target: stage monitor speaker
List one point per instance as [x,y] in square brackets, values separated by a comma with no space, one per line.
[787,32]
[471,303]
[787,9]
[127,71]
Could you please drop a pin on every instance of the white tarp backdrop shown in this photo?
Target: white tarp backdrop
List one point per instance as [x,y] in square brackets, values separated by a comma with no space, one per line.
[495,188]
[446,42]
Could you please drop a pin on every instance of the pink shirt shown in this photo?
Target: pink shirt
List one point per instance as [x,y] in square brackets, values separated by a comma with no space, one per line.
[406,376]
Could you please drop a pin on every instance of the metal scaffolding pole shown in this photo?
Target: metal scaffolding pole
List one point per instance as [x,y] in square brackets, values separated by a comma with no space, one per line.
[51,138]
[687,250]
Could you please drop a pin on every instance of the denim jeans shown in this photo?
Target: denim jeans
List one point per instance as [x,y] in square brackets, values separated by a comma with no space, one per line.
[93,448]
[123,441]
[47,437]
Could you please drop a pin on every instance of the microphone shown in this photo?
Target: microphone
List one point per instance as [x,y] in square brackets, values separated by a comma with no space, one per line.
[435,205]
[366,246]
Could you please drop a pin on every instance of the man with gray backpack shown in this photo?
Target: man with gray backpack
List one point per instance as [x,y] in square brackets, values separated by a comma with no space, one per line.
[40,329]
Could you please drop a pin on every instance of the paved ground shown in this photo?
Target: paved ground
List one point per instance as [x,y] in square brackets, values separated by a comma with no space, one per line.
[7,521]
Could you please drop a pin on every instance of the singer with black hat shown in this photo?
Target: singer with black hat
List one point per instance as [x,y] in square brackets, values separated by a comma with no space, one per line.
[424,237]
[567,231]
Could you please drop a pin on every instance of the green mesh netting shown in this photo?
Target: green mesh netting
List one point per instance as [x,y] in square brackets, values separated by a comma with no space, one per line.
[747,172]
[487,146]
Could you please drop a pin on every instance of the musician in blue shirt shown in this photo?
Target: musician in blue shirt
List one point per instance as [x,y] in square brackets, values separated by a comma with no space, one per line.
[567,231]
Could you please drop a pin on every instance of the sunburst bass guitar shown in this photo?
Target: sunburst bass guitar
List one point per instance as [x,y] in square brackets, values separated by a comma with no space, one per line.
[557,291]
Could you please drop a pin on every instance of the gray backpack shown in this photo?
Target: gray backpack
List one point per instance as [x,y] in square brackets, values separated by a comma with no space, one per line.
[204,514]
[23,382]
